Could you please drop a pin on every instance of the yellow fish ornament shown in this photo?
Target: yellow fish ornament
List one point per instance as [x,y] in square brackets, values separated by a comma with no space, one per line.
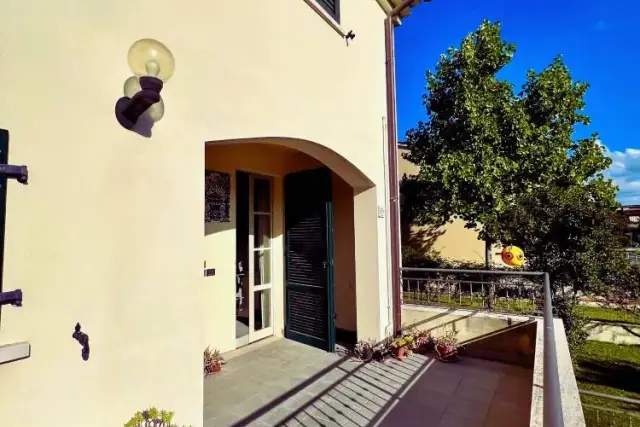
[512,255]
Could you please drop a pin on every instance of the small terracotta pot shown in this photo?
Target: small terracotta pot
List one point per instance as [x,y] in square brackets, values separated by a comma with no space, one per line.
[446,352]
[216,368]
[401,353]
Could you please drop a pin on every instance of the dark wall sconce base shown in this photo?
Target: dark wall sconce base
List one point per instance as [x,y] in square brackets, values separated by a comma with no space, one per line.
[128,110]
[83,340]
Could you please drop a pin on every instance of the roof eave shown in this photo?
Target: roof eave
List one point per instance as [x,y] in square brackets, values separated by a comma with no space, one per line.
[388,5]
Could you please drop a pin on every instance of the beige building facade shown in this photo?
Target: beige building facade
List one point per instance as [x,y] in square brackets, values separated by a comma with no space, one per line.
[453,241]
[273,132]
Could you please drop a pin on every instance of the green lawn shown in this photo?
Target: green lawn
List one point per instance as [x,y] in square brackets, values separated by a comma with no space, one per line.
[467,301]
[611,369]
[605,314]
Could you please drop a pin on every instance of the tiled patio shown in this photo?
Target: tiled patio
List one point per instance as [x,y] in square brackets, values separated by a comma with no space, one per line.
[289,384]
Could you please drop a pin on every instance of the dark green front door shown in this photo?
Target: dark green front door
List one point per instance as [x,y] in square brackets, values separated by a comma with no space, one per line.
[309,259]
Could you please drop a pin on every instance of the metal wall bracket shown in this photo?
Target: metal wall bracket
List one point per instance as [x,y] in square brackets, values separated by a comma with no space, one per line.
[13,298]
[19,173]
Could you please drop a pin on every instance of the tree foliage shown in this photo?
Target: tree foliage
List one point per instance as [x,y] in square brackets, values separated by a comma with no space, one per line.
[484,145]
[508,164]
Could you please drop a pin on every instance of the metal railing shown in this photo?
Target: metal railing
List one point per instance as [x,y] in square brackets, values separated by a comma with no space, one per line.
[492,290]
[600,416]
[508,292]
[633,257]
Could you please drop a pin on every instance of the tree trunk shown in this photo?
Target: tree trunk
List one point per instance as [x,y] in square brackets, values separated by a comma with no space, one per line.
[487,253]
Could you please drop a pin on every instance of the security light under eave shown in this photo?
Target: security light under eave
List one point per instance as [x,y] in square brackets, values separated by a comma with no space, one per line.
[152,64]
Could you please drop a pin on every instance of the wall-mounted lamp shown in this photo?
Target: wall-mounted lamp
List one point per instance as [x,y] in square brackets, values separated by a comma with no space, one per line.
[152,64]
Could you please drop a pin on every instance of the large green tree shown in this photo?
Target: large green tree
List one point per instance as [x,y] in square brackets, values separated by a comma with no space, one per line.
[485,145]
[509,165]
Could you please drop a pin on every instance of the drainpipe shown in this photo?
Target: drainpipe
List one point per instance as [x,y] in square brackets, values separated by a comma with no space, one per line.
[389,328]
[392,141]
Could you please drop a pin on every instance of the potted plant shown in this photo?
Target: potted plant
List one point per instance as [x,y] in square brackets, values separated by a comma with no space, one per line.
[447,346]
[401,347]
[213,361]
[151,417]
[382,352]
[423,342]
[364,350]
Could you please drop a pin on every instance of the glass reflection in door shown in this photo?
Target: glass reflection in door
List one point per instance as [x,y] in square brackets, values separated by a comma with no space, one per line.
[242,259]
[261,259]
[254,308]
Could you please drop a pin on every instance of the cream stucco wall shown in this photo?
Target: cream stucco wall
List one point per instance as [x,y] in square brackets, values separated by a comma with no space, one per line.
[453,241]
[109,231]
[344,255]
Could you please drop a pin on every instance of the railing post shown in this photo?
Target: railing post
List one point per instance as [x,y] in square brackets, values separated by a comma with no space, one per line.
[552,400]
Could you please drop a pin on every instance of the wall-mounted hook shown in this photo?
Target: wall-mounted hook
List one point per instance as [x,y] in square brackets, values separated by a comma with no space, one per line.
[83,339]
[350,36]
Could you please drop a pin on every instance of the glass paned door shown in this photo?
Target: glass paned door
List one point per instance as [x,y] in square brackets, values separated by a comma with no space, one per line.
[260,259]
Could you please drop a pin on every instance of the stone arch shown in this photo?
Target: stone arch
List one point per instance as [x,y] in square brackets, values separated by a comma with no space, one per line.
[334,161]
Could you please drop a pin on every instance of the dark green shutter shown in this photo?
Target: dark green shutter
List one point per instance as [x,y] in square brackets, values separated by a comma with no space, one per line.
[309,261]
[332,7]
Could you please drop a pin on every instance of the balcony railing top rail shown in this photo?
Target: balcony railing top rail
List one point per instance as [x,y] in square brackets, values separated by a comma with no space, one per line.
[488,294]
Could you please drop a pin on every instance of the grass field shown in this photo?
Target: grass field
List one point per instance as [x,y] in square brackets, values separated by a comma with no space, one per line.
[611,369]
[512,305]
[606,314]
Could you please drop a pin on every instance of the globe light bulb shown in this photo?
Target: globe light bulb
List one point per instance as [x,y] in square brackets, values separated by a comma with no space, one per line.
[156,111]
[131,86]
[152,68]
[149,57]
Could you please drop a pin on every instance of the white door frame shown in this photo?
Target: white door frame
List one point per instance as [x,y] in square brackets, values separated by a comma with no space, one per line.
[267,287]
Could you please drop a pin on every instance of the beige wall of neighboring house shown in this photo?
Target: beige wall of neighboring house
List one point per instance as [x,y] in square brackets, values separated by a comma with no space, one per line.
[109,231]
[453,241]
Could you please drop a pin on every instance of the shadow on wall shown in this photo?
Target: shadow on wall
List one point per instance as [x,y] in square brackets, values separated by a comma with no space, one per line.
[217,227]
[420,240]
[514,345]
[417,240]
[501,338]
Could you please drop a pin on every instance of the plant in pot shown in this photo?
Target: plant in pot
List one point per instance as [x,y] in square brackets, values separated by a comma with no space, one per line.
[152,417]
[382,351]
[402,346]
[423,342]
[447,346]
[213,361]
[364,350]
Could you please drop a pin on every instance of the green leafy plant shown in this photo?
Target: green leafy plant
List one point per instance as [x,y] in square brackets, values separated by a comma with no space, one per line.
[152,417]
[213,361]
[404,341]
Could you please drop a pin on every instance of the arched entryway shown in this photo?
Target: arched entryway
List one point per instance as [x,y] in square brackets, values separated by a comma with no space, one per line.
[294,246]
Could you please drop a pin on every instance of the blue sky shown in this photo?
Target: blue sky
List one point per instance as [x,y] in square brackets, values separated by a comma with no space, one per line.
[599,41]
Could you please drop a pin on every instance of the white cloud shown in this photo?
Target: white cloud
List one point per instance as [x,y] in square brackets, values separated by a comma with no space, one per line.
[625,171]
